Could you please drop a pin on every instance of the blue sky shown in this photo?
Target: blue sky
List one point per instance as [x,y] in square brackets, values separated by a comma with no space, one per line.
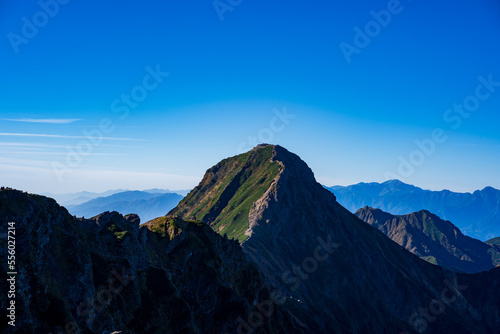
[200,89]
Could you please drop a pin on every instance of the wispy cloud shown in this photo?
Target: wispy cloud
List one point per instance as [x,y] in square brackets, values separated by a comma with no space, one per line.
[42,120]
[60,153]
[29,145]
[62,136]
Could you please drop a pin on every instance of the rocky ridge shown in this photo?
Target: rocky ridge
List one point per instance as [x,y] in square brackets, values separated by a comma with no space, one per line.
[109,274]
[434,240]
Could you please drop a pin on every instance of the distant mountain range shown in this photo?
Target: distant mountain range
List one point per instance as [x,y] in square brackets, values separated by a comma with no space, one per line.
[476,215]
[147,205]
[434,240]
[85,196]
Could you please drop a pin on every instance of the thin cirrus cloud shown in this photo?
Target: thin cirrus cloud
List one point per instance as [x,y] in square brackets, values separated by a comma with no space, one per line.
[61,136]
[43,120]
[38,145]
[60,153]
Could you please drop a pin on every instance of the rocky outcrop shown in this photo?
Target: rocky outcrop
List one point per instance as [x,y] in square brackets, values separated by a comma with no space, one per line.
[434,240]
[108,274]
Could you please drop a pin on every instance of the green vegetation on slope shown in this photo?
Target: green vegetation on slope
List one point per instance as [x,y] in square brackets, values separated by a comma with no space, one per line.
[430,259]
[233,220]
[228,190]
[164,226]
[119,234]
[430,229]
[199,201]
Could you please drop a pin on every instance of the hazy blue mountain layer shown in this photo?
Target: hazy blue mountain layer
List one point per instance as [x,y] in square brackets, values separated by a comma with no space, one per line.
[145,204]
[476,215]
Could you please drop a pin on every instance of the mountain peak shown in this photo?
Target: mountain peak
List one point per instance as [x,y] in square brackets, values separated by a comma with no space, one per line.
[233,192]
[263,145]
[394,182]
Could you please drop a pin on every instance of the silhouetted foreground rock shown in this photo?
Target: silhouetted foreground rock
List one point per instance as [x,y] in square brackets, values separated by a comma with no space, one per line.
[107,274]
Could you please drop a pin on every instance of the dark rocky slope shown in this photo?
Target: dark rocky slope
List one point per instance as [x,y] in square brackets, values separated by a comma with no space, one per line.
[108,274]
[336,269]
[434,240]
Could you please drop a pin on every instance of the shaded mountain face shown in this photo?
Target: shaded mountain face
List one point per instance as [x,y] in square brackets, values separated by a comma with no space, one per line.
[340,274]
[434,240]
[477,214]
[107,274]
[145,204]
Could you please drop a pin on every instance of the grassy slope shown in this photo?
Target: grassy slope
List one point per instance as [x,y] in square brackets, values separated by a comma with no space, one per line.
[199,201]
[228,190]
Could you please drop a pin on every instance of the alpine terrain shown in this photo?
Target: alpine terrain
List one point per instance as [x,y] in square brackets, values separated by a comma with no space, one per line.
[286,258]
[340,274]
[476,214]
[433,239]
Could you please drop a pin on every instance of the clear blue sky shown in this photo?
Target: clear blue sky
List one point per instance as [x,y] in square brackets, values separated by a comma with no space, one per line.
[227,80]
